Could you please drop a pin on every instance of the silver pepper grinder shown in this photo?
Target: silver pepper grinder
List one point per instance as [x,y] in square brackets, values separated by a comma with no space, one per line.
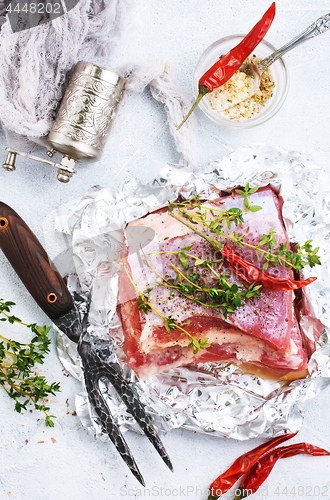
[83,121]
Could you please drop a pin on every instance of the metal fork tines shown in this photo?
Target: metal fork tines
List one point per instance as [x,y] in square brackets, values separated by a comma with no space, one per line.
[98,363]
[95,355]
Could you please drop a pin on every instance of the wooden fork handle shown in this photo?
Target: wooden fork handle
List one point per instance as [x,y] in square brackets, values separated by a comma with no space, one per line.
[32,264]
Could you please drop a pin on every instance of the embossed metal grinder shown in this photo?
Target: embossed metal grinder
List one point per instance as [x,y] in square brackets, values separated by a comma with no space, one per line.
[84,119]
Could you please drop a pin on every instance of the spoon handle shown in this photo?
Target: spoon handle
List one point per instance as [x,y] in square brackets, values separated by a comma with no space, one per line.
[321,25]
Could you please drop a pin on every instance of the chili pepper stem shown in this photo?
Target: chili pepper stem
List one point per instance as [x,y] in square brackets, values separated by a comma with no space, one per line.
[240,493]
[217,245]
[201,93]
[212,497]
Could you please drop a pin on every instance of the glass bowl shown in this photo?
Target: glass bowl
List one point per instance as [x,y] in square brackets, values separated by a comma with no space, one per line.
[279,73]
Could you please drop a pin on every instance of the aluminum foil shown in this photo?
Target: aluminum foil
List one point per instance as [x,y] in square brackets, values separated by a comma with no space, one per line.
[217,400]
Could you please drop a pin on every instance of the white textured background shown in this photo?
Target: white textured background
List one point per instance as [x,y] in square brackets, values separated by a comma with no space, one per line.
[75,466]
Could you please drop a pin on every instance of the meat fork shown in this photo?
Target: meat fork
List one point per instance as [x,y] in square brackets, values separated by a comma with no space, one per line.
[45,284]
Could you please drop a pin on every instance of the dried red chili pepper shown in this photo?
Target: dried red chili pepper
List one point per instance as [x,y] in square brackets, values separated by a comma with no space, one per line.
[225,67]
[241,465]
[263,467]
[252,274]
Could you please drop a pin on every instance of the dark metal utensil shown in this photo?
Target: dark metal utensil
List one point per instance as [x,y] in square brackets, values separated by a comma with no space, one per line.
[45,284]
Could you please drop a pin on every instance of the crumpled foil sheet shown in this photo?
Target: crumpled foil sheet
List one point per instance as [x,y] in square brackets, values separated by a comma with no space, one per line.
[217,400]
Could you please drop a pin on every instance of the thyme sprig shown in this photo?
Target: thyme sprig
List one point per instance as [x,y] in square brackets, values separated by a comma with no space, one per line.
[192,210]
[144,305]
[17,365]
[223,297]
[228,216]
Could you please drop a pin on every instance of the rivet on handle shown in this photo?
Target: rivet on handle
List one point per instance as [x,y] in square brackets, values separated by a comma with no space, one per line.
[52,298]
[3,223]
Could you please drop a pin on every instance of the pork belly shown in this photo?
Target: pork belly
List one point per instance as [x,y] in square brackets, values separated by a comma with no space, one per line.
[262,335]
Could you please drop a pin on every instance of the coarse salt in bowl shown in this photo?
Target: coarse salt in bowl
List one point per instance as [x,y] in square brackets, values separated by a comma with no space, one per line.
[278,73]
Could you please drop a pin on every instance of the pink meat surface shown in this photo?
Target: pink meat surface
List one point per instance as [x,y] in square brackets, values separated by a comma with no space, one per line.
[263,331]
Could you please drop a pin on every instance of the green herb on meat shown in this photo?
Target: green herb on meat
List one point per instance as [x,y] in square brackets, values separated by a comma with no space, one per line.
[169,322]
[223,297]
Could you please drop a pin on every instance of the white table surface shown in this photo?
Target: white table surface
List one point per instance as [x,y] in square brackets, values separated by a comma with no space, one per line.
[75,466]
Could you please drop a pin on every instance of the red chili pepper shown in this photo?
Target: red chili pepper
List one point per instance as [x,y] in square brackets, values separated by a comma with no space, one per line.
[263,467]
[225,67]
[241,465]
[252,274]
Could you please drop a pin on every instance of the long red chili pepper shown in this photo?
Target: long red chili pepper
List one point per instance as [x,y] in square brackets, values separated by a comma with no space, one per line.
[252,274]
[241,465]
[225,67]
[263,467]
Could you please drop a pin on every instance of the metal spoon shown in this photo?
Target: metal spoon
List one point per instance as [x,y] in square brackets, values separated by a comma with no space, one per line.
[255,71]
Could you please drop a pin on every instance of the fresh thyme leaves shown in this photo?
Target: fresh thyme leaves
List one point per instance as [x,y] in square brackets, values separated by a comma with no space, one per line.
[17,362]
[170,324]
[223,297]
[182,256]
[310,254]
[196,344]
[245,194]
[229,216]
[297,258]
[200,344]
[302,256]
[143,301]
